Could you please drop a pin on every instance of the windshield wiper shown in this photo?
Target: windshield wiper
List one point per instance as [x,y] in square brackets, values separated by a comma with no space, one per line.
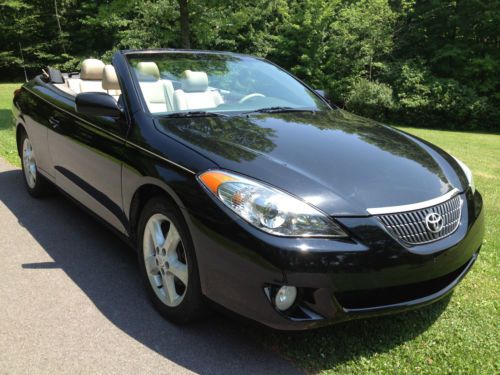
[194,114]
[280,110]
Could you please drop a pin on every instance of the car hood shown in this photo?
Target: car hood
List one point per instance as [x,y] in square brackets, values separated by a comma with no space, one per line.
[339,162]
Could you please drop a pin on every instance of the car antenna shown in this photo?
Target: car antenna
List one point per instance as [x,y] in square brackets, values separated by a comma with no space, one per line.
[22,59]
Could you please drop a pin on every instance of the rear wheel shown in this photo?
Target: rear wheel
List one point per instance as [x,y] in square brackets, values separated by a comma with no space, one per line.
[35,183]
[168,262]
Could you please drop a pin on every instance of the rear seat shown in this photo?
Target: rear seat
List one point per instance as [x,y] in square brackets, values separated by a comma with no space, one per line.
[90,77]
[110,82]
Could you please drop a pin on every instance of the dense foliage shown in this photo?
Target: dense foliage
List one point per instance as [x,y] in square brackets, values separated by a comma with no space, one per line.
[433,63]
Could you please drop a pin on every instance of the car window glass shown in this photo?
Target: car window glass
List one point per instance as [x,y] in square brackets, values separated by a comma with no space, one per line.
[179,82]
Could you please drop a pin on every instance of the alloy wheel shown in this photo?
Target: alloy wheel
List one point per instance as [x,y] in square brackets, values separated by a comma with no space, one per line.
[29,163]
[165,260]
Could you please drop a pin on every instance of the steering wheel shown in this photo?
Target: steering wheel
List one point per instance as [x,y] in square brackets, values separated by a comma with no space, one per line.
[250,96]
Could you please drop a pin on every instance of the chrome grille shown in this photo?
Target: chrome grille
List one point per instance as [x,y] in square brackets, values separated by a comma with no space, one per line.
[410,226]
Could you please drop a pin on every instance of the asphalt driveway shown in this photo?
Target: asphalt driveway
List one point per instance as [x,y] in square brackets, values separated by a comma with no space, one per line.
[71,301]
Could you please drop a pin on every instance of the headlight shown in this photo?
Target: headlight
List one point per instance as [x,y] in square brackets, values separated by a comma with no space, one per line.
[468,174]
[269,209]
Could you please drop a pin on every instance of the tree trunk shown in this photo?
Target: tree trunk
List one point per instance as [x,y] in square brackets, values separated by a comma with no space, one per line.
[59,26]
[185,33]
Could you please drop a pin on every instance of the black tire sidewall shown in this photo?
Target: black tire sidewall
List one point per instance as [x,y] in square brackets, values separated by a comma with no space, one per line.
[192,305]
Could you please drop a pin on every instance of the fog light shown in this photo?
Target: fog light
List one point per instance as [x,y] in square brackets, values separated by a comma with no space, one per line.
[285,297]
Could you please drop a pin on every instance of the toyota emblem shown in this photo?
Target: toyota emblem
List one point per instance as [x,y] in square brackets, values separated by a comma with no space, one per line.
[434,222]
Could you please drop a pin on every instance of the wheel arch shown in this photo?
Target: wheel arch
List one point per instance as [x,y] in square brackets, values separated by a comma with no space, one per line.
[20,128]
[147,190]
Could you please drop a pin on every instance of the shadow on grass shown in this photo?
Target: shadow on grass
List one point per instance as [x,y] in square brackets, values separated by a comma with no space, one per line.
[328,347]
[5,119]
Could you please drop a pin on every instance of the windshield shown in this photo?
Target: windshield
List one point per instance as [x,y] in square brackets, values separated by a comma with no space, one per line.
[209,83]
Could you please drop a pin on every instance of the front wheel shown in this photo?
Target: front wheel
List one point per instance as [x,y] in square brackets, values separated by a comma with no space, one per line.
[168,262]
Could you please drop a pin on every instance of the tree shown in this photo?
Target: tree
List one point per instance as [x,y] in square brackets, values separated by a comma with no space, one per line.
[425,63]
[184,24]
[25,24]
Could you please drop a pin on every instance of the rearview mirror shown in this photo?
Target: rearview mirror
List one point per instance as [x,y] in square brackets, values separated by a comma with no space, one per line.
[97,104]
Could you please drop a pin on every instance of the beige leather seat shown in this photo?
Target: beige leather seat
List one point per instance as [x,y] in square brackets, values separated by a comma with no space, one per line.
[195,93]
[90,77]
[110,82]
[157,92]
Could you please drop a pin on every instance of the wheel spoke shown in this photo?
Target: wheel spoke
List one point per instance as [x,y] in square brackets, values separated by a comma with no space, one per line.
[159,237]
[179,270]
[151,265]
[156,233]
[32,169]
[172,240]
[168,287]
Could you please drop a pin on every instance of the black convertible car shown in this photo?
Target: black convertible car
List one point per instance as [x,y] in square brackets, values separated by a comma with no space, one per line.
[239,184]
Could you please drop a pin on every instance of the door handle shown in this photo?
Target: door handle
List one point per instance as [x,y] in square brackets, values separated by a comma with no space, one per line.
[54,122]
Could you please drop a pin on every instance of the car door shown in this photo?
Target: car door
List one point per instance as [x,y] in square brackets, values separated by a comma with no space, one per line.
[86,152]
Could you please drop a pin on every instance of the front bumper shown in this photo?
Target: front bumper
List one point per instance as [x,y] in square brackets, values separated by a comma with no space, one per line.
[370,274]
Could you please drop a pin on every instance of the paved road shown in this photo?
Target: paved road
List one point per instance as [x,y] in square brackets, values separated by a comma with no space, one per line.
[71,302]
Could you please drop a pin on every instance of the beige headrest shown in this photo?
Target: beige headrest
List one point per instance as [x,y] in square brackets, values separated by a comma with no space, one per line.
[92,69]
[194,81]
[109,78]
[148,71]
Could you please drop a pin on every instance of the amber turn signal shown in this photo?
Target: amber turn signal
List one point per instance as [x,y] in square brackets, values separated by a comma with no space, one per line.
[213,179]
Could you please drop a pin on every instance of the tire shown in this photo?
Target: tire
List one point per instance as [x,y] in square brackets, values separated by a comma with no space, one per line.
[169,268]
[37,185]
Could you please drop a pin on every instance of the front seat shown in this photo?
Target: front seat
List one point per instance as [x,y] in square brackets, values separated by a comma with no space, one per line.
[90,77]
[195,93]
[110,82]
[156,92]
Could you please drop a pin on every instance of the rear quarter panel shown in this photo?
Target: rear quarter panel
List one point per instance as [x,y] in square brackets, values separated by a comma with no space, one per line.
[32,113]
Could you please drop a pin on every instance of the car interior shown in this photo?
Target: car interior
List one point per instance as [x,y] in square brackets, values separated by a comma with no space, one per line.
[94,76]
[193,91]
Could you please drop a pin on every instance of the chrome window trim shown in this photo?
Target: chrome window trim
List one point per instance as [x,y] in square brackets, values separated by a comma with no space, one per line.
[413,206]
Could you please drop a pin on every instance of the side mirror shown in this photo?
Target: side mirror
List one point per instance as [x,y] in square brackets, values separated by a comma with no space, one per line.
[97,104]
[322,93]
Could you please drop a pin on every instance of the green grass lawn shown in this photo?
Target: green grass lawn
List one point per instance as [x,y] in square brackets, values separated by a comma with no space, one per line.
[7,136]
[456,336]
